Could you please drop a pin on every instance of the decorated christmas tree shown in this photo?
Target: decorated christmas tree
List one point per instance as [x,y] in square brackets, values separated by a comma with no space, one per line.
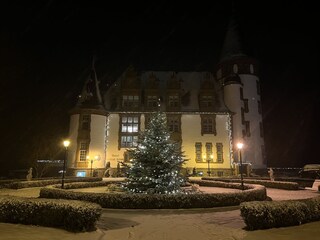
[156,161]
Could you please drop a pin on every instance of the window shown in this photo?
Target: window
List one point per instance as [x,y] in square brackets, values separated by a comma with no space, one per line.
[173,101]
[173,123]
[130,101]
[83,151]
[130,124]
[242,116]
[259,107]
[219,147]
[127,156]
[246,105]
[198,147]
[251,69]
[219,73]
[152,101]
[247,132]
[129,129]
[241,93]
[81,174]
[263,153]
[235,68]
[209,151]
[261,130]
[220,173]
[129,141]
[258,87]
[206,101]
[85,122]
[208,124]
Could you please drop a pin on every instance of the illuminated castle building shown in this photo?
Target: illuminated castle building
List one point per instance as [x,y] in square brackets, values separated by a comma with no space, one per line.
[207,113]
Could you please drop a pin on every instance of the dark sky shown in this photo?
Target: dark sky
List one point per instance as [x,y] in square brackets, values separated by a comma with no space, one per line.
[47,46]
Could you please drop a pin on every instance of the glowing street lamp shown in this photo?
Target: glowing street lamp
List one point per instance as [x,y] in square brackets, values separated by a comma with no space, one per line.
[66,144]
[240,146]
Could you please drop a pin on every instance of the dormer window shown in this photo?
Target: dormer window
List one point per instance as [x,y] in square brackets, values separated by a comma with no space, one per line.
[152,101]
[130,101]
[235,68]
[173,101]
[206,101]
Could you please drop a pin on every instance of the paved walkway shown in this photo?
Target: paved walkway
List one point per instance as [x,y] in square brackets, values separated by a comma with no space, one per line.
[164,224]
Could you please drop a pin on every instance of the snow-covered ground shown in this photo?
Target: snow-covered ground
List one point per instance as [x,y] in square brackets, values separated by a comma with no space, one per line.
[184,224]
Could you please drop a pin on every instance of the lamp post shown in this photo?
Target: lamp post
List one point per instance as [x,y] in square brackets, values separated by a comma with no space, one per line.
[91,162]
[209,159]
[240,146]
[66,144]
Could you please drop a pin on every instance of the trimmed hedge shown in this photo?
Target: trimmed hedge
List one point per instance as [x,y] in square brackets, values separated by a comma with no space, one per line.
[42,183]
[263,215]
[160,201]
[75,216]
[266,183]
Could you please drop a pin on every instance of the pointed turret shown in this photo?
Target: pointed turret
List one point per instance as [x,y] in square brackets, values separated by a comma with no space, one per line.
[232,45]
[90,96]
[238,75]
[87,131]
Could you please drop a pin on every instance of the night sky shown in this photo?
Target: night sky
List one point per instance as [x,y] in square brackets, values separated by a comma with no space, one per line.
[47,47]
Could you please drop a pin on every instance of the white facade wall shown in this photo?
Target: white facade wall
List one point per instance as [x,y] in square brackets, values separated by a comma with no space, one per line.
[73,134]
[191,133]
[233,102]
[97,141]
[252,152]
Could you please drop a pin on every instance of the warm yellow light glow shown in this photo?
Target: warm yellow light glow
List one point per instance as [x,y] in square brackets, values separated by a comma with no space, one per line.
[66,143]
[240,145]
[96,157]
[204,156]
[211,156]
[88,157]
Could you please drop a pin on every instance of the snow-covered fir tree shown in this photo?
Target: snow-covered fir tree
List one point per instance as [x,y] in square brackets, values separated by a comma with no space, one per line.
[156,161]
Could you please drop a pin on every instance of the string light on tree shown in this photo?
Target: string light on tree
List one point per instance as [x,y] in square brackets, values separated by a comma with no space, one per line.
[157,160]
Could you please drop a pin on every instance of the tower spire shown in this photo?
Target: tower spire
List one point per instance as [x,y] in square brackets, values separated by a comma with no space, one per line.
[90,96]
[232,45]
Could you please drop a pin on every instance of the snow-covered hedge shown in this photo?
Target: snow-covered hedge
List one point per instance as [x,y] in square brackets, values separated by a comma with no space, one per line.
[263,215]
[75,185]
[71,215]
[149,201]
[266,183]
[42,183]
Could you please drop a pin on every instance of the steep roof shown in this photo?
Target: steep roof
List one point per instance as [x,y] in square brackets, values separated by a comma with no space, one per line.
[90,97]
[232,44]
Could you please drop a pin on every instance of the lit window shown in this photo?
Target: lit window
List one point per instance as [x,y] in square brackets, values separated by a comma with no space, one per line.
[130,124]
[198,147]
[129,141]
[219,147]
[209,151]
[129,129]
[83,151]
[81,174]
